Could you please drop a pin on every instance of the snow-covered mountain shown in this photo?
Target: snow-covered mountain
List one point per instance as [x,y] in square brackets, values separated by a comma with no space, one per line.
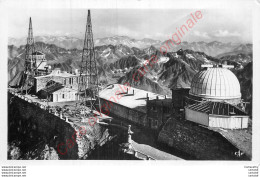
[68,42]
[130,42]
[215,48]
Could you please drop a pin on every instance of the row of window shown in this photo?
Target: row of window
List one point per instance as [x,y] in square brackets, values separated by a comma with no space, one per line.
[70,81]
[78,79]
[66,96]
[152,123]
[165,109]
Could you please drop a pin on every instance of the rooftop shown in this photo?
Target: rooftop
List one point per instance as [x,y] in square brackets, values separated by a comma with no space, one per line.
[180,88]
[38,53]
[53,88]
[217,108]
[58,73]
[117,93]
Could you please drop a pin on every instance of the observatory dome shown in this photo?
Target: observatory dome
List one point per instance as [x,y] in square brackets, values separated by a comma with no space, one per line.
[215,83]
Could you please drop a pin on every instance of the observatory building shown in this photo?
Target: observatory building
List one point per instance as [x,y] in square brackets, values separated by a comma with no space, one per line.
[216,84]
[214,99]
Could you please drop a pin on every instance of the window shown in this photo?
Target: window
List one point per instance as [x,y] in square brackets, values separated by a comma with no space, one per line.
[63,96]
[166,110]
[155,123]
[153,108]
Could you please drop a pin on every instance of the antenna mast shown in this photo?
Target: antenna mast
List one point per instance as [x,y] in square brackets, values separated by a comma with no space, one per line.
[30,61]
[88,81]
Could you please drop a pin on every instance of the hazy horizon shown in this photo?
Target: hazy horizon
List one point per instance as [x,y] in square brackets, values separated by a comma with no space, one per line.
[24,37]
[215,25]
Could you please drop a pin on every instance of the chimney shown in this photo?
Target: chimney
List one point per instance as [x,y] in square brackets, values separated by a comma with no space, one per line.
[133,91]
[127,91]
[147,96]
[157,97]
[165,96]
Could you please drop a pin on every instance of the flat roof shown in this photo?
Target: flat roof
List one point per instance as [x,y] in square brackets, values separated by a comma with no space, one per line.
[57,73]
[180,88]
[217,108]
[117,93]
[38,53]
[53,88]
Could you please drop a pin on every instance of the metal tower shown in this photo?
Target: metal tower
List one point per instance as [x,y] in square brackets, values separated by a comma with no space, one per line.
[88,82]
[30,61]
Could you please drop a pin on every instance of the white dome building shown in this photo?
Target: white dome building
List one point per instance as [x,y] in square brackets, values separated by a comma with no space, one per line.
[216,84]
[216,94]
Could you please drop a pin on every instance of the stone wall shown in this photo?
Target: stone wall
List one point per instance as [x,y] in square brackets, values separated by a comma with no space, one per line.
[30,124]
[197,141]
[133,115]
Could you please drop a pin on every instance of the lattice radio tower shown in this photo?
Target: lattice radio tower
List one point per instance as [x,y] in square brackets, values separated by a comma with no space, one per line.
[30,61]
[89,85]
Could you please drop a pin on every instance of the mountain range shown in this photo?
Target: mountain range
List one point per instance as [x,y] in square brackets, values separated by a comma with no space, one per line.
[68,42]
[118,63]
[215,48]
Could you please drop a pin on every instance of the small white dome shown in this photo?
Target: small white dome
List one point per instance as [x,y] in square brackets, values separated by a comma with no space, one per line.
[215,83]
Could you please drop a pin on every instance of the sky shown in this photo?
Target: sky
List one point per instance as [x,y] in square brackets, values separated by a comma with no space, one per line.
[225,25]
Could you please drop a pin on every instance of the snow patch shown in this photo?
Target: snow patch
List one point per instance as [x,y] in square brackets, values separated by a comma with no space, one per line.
[189,56]
[206,60]
[176,55]
[163,59]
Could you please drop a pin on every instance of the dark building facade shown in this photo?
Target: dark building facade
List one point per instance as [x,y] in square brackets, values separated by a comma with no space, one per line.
[138,106]
[180,97]
[158,112]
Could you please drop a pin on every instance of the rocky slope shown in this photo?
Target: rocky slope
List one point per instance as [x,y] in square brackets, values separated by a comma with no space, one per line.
[245,77]
[121,63]
[238,60]
[215,48]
